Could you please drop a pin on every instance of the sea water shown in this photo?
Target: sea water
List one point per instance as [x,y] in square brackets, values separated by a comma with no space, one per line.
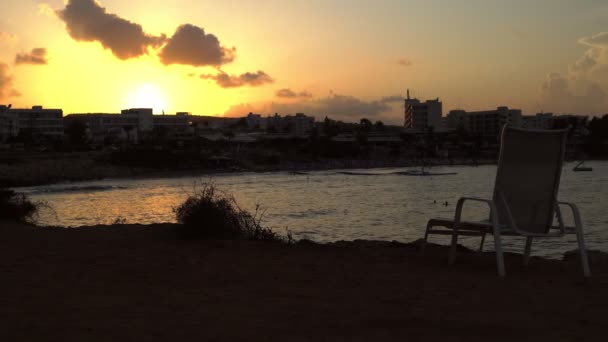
[377,204]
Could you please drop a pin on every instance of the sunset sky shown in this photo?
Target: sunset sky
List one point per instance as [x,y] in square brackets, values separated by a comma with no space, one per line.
[343,58]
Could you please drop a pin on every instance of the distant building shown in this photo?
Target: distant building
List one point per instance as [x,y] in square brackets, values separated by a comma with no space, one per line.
[255,121]
[180,122]
[9,124]
[145,121]
[36,122]
[298,124]
[130,125]
[487,123]
[538,121]
[202,123]
[420,116]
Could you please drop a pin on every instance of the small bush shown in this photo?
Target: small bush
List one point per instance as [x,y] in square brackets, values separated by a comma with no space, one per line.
[15,206]
[213,214]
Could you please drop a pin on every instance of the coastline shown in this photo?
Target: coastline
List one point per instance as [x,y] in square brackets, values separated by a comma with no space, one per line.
[78,167]
[138,282]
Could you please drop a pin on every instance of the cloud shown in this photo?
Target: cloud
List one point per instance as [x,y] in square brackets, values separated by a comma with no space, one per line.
[569,95]
[582,90]
[7,37]
[46,9]
[242,109]
[247,79]
[36,56]
[290,94]
[338,107]
[87,20]
[597,40]
[404,62]
[190,45]
[392,99]
[6,83]
[595,57]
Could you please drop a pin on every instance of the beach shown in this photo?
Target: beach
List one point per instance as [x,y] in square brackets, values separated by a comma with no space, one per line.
[143,283]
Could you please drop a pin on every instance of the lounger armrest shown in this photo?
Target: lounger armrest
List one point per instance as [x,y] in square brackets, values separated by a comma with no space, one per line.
[460,205]
[576,214]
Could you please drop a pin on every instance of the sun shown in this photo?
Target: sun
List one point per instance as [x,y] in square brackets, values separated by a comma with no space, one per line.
[148,95]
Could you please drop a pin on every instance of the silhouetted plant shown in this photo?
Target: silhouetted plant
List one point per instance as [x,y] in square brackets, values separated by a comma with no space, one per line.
[120,221]
[210,213]
[15,206]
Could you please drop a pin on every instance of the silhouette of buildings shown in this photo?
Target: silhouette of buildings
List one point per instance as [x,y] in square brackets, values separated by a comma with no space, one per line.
[130,125]
[420,116]
[487,123]
[298,124]
[36,123]
[578,123]
[538,121]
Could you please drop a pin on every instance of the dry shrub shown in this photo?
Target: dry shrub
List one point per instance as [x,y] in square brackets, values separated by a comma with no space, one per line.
[210,213]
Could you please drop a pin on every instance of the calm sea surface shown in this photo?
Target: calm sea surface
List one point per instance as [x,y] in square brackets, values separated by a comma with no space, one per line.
[329,205]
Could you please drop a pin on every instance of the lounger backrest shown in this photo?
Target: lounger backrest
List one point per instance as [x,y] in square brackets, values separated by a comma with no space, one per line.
[528,175]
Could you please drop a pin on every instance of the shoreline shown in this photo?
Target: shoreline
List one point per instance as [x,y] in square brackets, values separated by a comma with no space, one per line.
[48,169]
[138,282]
[66,170]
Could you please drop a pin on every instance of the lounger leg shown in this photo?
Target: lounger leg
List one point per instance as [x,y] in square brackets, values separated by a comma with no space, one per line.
[452,257]
[426,237]
[483,240]
[527,250]
[500,262]
[583,251]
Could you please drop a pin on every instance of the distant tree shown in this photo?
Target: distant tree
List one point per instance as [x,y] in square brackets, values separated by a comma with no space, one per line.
[365,125]
[330,128]
[76,131]
[598,136]
[379,125]
[598,128]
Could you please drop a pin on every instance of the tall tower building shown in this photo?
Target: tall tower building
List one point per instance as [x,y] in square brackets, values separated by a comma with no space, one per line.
[420,116]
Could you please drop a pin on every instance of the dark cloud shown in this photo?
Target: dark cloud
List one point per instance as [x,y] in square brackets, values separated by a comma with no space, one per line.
[242,109]
[404,62]
[247,79]
[87,20]
[290,94]
[6,83]
[36,56]
[190,45]
[392,99]
[340,107]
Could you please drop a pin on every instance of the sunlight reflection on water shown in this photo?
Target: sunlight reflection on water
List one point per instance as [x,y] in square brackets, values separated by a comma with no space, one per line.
[326,205]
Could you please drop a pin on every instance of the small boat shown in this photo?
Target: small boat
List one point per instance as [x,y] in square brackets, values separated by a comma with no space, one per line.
[580,168]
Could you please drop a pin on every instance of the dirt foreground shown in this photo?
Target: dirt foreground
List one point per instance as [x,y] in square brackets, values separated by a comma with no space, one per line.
[141,283]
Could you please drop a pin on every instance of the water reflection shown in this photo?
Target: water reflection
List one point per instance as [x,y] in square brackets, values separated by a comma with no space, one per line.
[326,205]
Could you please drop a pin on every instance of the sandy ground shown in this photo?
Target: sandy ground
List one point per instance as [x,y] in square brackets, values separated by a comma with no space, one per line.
[140,283]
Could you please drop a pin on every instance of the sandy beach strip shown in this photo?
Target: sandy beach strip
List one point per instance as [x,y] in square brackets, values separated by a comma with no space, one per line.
[141,283]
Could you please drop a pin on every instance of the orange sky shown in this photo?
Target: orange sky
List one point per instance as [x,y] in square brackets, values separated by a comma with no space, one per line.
[345,59]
